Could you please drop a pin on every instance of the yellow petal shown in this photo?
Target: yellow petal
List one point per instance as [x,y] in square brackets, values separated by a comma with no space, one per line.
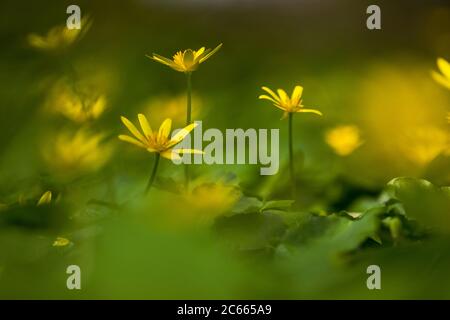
[46,198]
[283,96]
[133,129]
[280,107]
[192,151]
[132,140]
[178,58]
[164,130]
[169,154]
[273,94]
[167,62]
[180,135]
[209,54]
[199,52]
[444,66]
[296,95]
[145,126]
[266,97]
[161,59]
[310,111]
[98,107]
[441,79]
[188,58]
[37,41]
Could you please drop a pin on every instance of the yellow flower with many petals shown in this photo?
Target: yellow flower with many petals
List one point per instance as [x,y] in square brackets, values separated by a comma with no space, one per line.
[77,105]
[78,152]
[59,37]
[187,60]
[206,201]
[157,141]
[344,139]
[215,197]
[442,78]
[289,104]
[286,103]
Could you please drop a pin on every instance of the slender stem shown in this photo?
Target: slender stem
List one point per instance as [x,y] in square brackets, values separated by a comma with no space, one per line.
[186,177]
[188,122]
[153,175]
[189,98]
[291,157]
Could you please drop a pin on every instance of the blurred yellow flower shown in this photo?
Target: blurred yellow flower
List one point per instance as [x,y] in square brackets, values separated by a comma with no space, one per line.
[286,103]
[390,120]
[206,201]
[78,107]
[442,78]
[59,37]
[173,107]
[73,153]
[46,198]
[187,60]
[344,139]
[423,144]
[61,242]
[214,197]
[157,141]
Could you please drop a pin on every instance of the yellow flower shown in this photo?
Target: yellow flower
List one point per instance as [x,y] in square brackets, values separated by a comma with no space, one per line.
[79,107]
[187,60]
[391,119]
[214,197]
[286,103]
[442,78]
[206,201]
[46,198]
[72,153]
[158,141]
[59,37]
[61,242]
[344,139]
[423,144]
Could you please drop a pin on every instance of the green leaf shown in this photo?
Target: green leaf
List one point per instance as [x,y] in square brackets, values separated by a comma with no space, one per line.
[246,205]
[423,201]
[398,186]
[335,233]
[277,204]
[347,235]
[251,231]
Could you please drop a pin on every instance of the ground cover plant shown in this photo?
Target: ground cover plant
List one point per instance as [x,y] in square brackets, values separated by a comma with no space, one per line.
[113,162]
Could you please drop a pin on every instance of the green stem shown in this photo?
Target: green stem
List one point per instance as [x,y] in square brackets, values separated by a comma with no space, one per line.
[189,98]
[291,157]
[153,175]
[188,122]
